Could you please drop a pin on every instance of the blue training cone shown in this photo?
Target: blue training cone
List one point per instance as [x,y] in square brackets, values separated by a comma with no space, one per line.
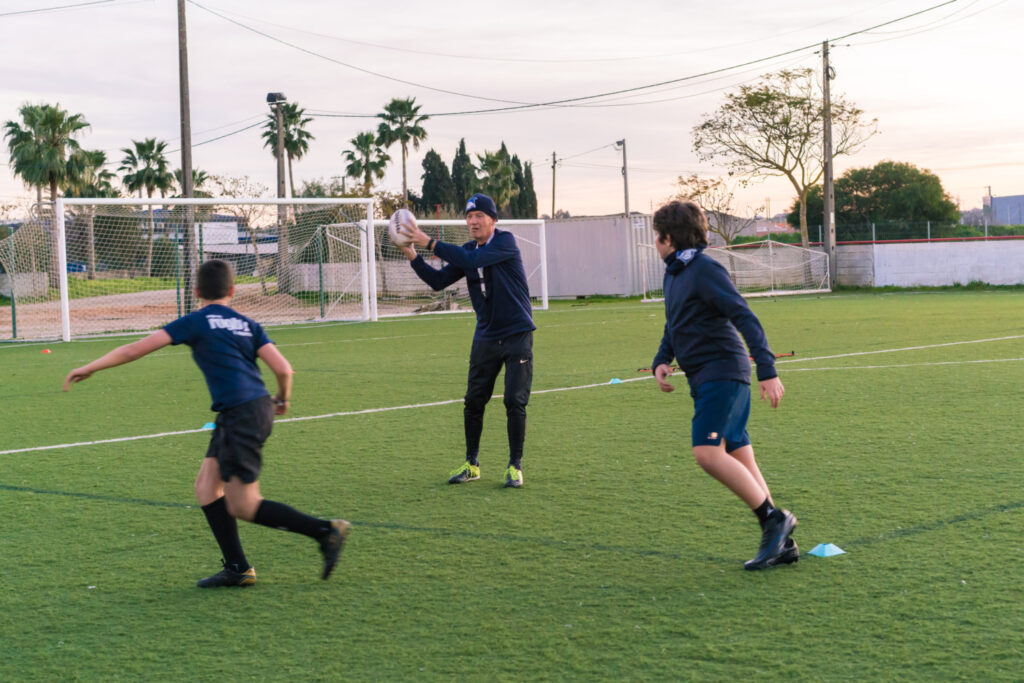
[826,550]
[615,380]
[209,425]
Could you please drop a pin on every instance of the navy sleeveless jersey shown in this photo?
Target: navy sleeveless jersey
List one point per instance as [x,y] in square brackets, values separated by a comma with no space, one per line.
[224,345]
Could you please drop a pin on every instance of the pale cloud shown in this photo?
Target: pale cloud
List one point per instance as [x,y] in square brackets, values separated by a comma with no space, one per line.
[942,97]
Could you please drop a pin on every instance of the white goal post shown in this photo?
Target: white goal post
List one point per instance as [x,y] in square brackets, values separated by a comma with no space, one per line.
[128,265]
[89,267]
[765,268]
[401,292]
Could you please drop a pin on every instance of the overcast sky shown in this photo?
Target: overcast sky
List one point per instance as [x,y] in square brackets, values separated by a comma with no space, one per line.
[945,85]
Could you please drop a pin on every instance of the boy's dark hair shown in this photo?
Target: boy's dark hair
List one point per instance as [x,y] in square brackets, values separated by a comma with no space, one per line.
[683,223]
[214,279]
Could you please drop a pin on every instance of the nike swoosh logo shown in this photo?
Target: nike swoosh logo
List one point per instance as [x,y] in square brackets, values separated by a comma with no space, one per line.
[525,360]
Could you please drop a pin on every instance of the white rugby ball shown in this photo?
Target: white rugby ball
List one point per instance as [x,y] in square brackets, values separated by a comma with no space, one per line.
[397,227]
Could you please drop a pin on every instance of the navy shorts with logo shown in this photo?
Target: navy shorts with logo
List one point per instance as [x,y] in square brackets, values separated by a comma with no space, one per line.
[238,436]
[720,411]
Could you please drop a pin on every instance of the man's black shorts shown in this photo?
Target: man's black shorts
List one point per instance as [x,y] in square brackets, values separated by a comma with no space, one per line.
[237,440]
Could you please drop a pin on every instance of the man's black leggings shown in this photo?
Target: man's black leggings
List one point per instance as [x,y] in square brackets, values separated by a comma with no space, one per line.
[486,359]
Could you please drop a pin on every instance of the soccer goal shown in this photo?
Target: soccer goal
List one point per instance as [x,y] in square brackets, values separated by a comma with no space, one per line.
[107,266]
[765,268]
[401,292]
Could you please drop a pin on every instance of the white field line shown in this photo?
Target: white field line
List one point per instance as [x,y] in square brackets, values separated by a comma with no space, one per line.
[906,348]
[909,365]
[385,409]
[348,413]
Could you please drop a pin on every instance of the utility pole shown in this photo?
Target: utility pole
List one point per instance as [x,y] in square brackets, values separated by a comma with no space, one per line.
[191,256]
[554,164]
[621,144]
[828,188]
[276,100]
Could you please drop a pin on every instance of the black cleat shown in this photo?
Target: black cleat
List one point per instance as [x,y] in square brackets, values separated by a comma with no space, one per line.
[332,543]
[228,577]
[790,553]
[777,529]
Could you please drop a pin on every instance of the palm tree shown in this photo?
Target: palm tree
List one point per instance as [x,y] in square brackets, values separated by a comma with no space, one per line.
[43,152]
[40,151]
[367,160]
[296,137]
[199,178]
[401,123]
[93,181]
[146,168]
[498,176]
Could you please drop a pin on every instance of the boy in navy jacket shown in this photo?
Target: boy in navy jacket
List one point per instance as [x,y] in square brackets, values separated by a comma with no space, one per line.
[496,279]
[225,346]
[703,312]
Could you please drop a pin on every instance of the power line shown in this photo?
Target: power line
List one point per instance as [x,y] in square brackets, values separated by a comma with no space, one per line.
[572,100]
[55,8]
[352,66]
[77,5]
[577,60]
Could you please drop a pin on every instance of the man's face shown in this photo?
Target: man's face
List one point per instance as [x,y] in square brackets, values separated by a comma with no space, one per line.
[664,246]
[481,226]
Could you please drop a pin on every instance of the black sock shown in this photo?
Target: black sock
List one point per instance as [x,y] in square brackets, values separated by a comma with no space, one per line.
[225,530]
[280,516]
[763,512]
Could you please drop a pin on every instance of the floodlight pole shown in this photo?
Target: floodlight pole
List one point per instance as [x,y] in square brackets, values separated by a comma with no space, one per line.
[828,188]
[625,174]
[276,100]
[554,165]
[186,160]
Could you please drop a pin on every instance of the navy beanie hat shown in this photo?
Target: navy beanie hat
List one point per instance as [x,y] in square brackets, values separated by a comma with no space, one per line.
[481,202]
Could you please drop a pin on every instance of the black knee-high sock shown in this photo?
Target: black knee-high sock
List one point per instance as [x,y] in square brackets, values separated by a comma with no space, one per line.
[225,530]
[281,516]
[764,511]
[473,423]
[516,427]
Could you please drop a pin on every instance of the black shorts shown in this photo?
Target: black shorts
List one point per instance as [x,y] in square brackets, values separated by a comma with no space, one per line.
[237,440]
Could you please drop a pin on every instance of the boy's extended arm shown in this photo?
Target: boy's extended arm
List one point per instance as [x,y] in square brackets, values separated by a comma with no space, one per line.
[119,356]
[282,369]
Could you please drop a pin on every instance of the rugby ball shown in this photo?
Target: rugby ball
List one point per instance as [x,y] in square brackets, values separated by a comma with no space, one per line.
[397,227]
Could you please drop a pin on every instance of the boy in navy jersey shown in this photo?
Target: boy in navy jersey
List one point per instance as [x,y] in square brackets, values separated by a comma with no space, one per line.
[703,312]
[225,346]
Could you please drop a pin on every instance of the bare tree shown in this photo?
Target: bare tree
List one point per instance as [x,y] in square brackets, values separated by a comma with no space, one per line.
[253,217]
[715,196]
[774,127]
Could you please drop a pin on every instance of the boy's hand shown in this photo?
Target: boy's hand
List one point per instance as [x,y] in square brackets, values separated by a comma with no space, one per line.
[773,390]
[280,405]
[76,375]
[661,374]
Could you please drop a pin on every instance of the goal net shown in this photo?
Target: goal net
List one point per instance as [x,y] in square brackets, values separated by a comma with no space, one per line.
[401,292]
[765,268]
[128,265]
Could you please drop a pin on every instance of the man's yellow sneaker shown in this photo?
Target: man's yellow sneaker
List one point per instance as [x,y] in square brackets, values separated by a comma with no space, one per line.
[513,477]
[465,473]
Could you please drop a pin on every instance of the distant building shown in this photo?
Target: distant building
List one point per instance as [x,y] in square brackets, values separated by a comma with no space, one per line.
[1004,210]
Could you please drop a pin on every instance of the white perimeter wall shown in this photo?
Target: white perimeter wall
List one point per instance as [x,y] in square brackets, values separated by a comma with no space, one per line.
[996,262]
